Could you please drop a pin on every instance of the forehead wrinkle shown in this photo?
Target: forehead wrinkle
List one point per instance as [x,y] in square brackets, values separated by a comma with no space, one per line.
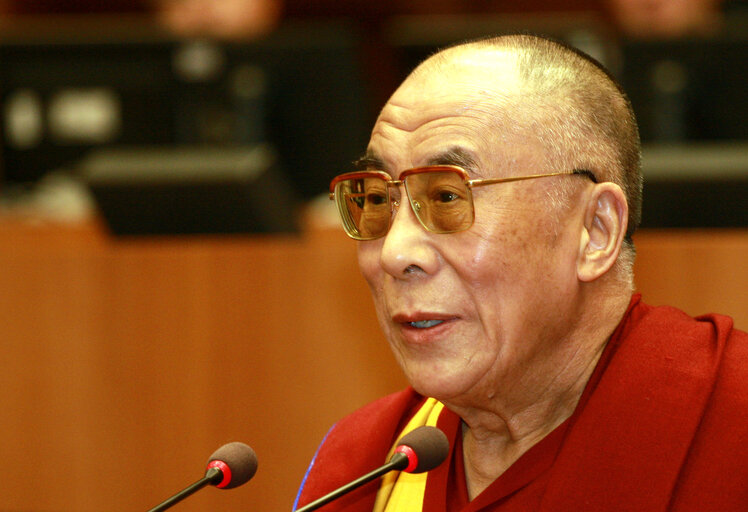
[400,116]
[409,106]
[483,90]
[470,119]
[473,112]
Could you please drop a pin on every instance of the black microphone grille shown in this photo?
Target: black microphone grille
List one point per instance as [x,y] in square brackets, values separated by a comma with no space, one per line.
[430,445]
[241,460]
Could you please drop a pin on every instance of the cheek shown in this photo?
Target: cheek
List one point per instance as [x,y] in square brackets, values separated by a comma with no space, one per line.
[368,263]
[482,262]
[510,251]
[488,250]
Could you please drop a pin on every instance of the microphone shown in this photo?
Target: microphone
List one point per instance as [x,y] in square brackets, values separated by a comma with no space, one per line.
[230,466]
[419,451]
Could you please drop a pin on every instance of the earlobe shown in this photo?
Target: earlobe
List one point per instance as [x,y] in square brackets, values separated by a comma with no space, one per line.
[605,221]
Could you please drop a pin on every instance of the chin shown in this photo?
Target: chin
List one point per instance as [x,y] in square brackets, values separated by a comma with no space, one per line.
[442,376]
[439,386]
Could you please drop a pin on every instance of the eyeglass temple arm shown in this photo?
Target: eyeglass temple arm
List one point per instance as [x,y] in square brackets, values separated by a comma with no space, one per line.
[490,181]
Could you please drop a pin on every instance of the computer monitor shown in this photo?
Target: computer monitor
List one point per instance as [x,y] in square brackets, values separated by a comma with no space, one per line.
[688,89]
[301,90]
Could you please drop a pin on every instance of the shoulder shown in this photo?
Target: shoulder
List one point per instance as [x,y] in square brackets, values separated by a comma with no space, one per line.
[706,345]
[357,444]
[672,329]
[377,423]
[669,321]
[709,348]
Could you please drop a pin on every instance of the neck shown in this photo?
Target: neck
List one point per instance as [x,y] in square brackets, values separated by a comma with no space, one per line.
[503,426]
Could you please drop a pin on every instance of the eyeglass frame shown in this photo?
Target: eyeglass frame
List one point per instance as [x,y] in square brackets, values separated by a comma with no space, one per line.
[469,184]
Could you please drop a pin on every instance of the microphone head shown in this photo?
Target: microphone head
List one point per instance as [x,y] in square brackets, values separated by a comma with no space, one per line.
[426,447]
[237,462]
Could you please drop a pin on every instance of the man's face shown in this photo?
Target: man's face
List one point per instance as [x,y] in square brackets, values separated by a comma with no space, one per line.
[467,313]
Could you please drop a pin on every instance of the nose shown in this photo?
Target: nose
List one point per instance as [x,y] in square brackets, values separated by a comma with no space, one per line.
[408,247]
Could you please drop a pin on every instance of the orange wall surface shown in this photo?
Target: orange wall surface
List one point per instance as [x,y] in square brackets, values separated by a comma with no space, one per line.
[126,362]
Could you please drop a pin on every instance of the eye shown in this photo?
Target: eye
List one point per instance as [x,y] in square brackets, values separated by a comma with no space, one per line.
[445,194]
[447,197]
[376,199]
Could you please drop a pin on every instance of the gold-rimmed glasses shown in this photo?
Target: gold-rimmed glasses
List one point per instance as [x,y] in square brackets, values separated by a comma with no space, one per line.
[440,195]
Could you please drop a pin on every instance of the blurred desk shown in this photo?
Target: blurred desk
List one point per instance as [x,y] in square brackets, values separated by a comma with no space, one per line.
[126,362]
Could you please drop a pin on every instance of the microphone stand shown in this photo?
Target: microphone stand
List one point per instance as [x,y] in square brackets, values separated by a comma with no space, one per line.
[398,461]
[212,476]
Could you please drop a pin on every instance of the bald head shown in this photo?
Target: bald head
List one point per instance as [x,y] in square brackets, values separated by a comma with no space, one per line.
[558,96]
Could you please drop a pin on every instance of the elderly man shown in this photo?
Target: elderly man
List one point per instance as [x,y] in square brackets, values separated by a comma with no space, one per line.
[494,209]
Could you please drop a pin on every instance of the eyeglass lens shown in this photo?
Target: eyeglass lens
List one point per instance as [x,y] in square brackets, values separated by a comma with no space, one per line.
[440,200]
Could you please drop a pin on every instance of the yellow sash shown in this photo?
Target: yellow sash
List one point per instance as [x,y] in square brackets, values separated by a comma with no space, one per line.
[400,491]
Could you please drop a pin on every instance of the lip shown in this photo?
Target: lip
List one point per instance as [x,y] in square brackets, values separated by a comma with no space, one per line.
[423,335]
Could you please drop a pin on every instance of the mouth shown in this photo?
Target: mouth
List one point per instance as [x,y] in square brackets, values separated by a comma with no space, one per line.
[421,321]
[424,324]
[424,329]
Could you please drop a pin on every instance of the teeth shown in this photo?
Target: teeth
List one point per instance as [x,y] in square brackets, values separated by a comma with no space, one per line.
[423,324]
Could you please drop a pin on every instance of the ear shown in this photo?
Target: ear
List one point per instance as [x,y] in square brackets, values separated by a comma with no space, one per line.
[605,221]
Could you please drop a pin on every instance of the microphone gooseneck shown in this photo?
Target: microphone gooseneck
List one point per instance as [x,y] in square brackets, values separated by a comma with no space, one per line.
[419,451]
[233,464]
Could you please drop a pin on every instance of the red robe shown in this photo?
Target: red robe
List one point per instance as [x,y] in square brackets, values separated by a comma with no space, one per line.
[661,426]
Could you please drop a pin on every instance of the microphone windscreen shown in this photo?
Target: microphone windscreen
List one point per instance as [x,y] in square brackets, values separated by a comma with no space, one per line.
[430,445]
[240,459]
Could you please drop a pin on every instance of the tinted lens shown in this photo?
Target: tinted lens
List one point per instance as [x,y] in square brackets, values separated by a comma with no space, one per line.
[440,200]
[364,206]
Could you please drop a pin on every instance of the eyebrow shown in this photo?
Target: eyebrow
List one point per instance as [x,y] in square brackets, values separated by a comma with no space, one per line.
[453,156]
[368,161]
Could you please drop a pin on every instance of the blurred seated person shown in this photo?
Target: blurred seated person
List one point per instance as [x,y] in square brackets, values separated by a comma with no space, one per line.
[229,19]
[665,19]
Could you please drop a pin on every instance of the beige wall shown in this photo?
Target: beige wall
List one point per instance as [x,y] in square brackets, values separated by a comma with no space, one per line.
[125,363]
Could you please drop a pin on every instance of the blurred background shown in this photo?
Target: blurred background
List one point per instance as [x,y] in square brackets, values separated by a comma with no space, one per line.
[172,275]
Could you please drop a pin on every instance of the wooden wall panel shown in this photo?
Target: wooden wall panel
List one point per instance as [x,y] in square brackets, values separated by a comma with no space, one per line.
[125,363]
[699,271]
